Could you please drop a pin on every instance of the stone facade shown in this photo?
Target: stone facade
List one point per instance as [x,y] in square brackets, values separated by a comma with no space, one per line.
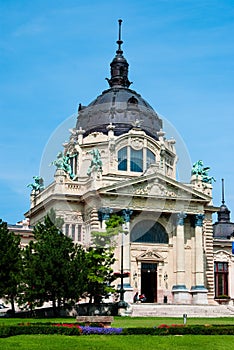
[153,196]
[121,164]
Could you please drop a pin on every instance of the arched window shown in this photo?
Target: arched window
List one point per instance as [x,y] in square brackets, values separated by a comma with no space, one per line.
[150,158]
[136,160]
[149,231]
[130,159]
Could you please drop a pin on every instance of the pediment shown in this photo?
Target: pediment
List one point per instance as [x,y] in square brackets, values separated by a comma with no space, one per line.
[155,185]
[150,255]
[222,255]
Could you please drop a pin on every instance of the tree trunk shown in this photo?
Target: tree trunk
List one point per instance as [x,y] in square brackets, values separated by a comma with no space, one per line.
[54,307]
[12,305]
[59,306]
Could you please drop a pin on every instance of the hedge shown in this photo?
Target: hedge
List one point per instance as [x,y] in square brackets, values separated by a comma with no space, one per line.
[182,330]
[75,329]
[8,331]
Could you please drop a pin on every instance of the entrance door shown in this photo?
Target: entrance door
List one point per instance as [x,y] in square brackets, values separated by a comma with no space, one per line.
[149,281]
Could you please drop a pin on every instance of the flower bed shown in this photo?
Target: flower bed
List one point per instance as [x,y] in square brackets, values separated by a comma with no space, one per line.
[72,329]
[86,330]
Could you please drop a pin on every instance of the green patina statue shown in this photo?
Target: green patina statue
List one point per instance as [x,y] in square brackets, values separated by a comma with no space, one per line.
[63,162]
[38,184]
[96,162]
[199,169]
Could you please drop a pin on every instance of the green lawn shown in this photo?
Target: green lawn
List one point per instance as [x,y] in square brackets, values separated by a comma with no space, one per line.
[100,342]
[133,342]
[129,321]
[156,321]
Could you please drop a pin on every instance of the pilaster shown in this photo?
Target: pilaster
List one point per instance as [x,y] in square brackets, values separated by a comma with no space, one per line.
[180,292]
[199,292]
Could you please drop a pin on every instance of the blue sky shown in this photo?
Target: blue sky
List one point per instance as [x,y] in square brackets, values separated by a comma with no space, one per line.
[56,54]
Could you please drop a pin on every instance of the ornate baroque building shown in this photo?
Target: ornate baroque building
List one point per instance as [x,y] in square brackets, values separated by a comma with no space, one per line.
[118,160]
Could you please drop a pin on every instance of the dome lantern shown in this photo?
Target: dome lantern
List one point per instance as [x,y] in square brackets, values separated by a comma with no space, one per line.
[119,66]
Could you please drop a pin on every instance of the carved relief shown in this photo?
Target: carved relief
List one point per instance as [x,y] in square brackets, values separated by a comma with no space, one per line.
[136,143]
[71,217]
[222,256]
[155,188]
[150,255]
[142,189]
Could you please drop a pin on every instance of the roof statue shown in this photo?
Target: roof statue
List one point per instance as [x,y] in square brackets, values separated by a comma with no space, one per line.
[96,162]
[38,184]
[63,162]
[199,169]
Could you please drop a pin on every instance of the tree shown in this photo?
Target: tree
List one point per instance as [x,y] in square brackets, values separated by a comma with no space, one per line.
[31,287]
[107,238]
[100,259]
[100,273]
[78,272]
[47,265]
[10,264]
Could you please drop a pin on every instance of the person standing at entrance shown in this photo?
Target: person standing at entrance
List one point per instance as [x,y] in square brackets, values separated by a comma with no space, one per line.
[136,297]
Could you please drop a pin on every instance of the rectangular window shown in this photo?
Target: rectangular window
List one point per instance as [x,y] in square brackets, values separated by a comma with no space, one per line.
[67,229]
[221,279]
[136,160]
[73,161]
[79,233]
[73,232]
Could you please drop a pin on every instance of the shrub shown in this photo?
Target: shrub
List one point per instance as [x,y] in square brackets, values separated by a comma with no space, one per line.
[71,329]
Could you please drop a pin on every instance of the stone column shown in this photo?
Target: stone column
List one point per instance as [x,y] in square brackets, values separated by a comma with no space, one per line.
[199,251]
[180,256]
[125,239]
[199,291]
[180,292]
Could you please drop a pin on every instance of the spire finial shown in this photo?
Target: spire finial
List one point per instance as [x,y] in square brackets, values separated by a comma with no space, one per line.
[119,66]
[119,41]
[223,201]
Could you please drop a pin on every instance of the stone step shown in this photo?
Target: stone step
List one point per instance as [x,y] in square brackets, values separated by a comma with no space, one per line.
[166,310]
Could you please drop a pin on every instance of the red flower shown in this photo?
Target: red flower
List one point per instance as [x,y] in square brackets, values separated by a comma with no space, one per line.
[69,325]
[163,326]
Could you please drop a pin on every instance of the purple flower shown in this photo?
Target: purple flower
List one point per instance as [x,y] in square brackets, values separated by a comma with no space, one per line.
[100,330]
